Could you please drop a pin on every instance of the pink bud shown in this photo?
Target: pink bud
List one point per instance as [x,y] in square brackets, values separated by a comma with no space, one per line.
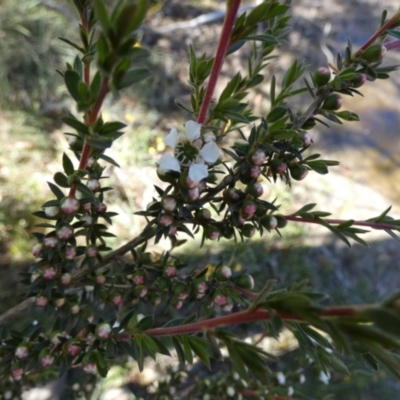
[209,137]
[173,230]
[198,143]
[139,279]
[214,234]
[178,305]
[170,271]
[59,302]
[117,299]
[66,278]
[220,300]
[202,186]
[87,207]
[202,287]
[169,203]
[75,309]
[248,209]
[90,163]
[255,172]
[65,232]
[46,361]
[165,220]
[49,273]
[258,157]
[41,301]
[100,279]
[70,253]
[50,242]
[191,184]
[87,219]
[307,139]
[90,368]
[93,185]
[92,251]
[103,331]
[100,208]
[21,351]
[227,307]
[74,349]
[17,374]
[194,194]
[52,211]
[70,205]
[36,249]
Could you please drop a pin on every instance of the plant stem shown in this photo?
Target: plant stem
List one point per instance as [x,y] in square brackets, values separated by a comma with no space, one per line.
[373,225]
[91,119]
[219,58]
[250,315]
[387,25]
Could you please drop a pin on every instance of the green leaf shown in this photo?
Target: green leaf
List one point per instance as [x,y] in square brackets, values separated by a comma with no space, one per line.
[72,80]
[101,363]
[67,165]
[145,323]
[347,115]
[133,76]
[74,123]
[102,14]
[200,348]
[61,180]
[76,46]
[305,208]
[180,353]
[56,191]
[277,113]
[108,159]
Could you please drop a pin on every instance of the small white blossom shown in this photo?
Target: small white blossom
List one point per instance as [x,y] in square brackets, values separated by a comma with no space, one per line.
[280,378]
[324,378]
[190,152]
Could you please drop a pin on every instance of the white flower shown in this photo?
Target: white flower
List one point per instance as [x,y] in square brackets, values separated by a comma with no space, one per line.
[324,377]
[190,152]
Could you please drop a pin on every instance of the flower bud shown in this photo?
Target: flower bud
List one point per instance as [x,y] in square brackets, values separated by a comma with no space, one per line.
[170,271]
[248,230]
[90,368]
[203,214]
[219,297]
[93,184]
[70,253]
[322,76]
[255,189]
[75,309]
[141,291]
[231,195]
[374,53]
[278,166]
[200,285]
[139,277]
[22,350]
[165,176]
[46,359]
[92,251]
[52,211]
[59,302]
[169,203]
[282,221]
[116,298]
[73,348]
[49,273]
[254,172]
[186,182]
[173,230]
[100,208]
[269,222]
[248,209]
[41,301]
[194,194]
[223,273]
[333,102]
[212,233]
[258,157]
[306,138]
[298,171]
[91,162]
[245,281]
[100,279]
[50,242]
[209,137]
[180,290]
[17,373]
[309,124]
[165,220]
[227,232]
[86,207]
[359,80]
[70,205]
[65,232]
[103,331]
[37,249]
[66,278]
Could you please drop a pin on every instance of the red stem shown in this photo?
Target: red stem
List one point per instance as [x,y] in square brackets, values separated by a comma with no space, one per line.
[378,33]
[251,315]
[219,58]
[91,119]
[373,225]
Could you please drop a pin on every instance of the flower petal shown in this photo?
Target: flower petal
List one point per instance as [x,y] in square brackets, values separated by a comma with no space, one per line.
[169,163]
[192,130]
[172,138]
[197,172]
[210,152]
